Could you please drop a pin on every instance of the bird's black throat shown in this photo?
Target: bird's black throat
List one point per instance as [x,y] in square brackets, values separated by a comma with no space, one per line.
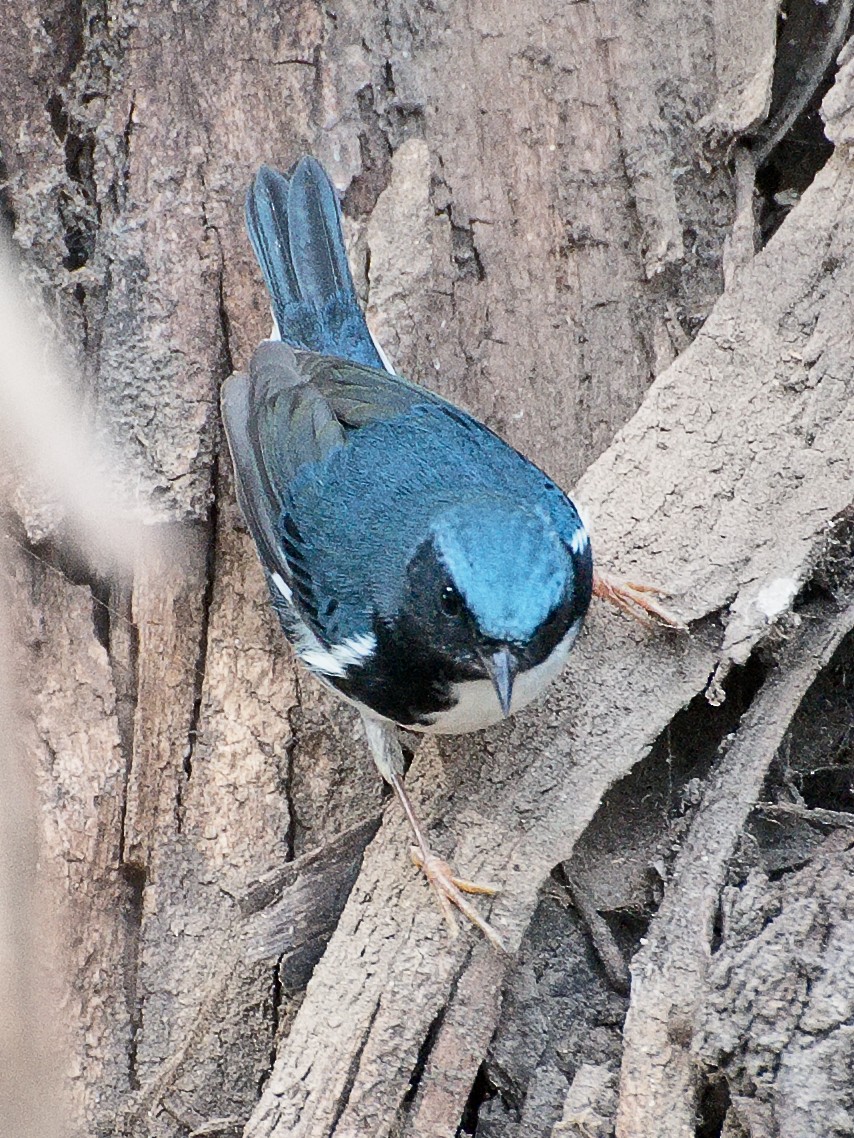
[406,679]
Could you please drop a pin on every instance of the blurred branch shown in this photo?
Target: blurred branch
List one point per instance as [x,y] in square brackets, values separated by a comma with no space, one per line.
[57,475]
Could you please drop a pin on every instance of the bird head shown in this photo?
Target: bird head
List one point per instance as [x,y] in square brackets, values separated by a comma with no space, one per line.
[495,588]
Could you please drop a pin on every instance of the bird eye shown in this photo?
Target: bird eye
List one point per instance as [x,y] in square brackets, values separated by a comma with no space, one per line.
[450,601]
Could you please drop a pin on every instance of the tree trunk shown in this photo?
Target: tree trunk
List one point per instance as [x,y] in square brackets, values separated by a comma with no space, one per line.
[618,235]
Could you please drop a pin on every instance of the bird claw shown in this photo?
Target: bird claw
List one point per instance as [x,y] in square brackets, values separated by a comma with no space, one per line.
[636,600]
[450,893]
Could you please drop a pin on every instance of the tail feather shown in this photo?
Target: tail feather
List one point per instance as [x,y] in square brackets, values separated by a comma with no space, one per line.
[267,226]
[317,245]
[294,224]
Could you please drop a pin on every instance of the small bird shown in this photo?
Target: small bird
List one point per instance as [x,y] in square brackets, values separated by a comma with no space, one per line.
[421,567]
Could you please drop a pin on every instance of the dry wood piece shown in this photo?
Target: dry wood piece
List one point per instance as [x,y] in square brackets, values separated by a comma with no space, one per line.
[746,38]
[293,911]
[590,1103]
[659,1085]
[818,55]
[777,1019]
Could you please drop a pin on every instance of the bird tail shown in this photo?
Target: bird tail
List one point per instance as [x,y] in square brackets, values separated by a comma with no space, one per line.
[294,224]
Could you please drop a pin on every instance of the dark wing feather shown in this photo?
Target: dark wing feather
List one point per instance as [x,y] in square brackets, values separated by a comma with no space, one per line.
[254,499]
[291,413]
[276,422]
[291,424]
[358,395]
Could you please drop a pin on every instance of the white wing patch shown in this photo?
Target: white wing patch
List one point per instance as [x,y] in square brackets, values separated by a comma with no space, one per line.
[325,662]
[279,581]
[335,660]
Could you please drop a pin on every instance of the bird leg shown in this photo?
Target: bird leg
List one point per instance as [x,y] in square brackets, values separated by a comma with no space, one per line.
[637,601]
[448,889]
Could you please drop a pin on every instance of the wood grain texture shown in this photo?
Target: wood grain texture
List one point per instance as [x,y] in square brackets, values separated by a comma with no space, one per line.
[72,742]
[659,1084]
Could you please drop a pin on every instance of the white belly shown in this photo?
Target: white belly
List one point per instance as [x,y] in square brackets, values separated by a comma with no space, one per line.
[477,703]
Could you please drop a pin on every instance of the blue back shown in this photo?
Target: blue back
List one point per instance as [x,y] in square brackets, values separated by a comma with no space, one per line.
[365,508]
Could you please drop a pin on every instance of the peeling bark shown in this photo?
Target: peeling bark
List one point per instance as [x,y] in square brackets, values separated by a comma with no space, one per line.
[660,1079]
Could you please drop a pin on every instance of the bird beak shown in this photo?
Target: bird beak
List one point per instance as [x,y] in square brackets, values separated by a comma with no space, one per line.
[502,667]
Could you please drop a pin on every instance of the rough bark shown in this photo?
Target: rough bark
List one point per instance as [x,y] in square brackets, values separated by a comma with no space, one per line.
[552,213]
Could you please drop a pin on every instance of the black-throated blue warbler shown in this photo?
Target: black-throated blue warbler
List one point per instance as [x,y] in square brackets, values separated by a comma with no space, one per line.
[420,566]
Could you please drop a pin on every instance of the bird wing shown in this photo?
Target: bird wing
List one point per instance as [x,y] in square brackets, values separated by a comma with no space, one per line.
[276,422]
[287,418]
[358,395]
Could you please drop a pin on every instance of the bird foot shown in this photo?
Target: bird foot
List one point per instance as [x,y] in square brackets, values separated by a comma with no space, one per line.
[450,890]
[637,601]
